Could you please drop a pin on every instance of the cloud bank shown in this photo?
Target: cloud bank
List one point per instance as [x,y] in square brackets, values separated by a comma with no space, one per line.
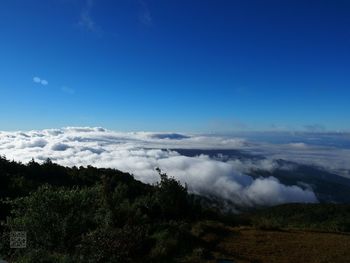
[141,152]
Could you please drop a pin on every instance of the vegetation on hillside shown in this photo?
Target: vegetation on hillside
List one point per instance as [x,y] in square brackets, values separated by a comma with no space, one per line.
[95,215]
[104,215]
[317,217]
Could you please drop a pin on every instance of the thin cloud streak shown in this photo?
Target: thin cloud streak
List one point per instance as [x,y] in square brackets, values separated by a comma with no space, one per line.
[145,16]
[68,90]
[86,20]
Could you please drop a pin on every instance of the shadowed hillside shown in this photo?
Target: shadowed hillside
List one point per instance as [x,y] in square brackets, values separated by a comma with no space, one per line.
[105,215]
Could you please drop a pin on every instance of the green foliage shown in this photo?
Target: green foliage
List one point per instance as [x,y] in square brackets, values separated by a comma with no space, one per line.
[126,244]
[172,239]
[104,215]
[43,256]
[93,215]
[54,219]
[172,197]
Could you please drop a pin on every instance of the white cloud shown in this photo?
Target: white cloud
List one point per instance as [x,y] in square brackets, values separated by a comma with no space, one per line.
[330,158]
[248,165]
[141,152]
[44,82]
[38,80]
[298,145]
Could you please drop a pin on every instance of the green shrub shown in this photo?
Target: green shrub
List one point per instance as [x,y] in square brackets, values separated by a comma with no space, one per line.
[172,197]
[127,244]
[172,240]
[55,219]
[44,256]
[96,215]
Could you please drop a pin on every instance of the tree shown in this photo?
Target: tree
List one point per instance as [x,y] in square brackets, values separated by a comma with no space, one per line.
[172,196]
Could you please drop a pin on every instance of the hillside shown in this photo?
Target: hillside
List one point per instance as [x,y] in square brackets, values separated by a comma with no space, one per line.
[87,214]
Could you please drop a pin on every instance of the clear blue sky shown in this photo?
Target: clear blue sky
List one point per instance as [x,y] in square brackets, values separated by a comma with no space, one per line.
[179,65]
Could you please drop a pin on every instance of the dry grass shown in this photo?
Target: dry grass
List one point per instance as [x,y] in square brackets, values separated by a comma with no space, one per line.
[242,245]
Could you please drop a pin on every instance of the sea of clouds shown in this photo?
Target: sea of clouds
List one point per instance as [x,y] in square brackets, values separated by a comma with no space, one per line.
[140,153]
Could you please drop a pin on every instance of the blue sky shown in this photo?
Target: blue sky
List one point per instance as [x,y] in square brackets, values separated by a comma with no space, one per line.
[175,65]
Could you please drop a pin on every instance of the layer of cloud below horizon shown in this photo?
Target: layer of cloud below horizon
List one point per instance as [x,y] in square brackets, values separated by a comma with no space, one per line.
[140,153]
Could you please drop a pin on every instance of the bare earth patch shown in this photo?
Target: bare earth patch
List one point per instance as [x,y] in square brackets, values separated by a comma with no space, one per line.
[241,245]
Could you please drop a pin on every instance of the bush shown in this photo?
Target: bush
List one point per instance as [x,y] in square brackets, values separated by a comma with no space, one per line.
[127,244]
[94,215]
[44,256]
[172,197]
[55,219]
[171,240]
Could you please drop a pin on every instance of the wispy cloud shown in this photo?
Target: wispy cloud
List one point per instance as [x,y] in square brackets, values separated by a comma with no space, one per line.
[68,90]
[315,128]
[38,80]
[85,20]
[145,16]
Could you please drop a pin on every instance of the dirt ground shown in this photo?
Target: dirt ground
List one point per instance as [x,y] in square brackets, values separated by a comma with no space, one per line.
[243,245]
